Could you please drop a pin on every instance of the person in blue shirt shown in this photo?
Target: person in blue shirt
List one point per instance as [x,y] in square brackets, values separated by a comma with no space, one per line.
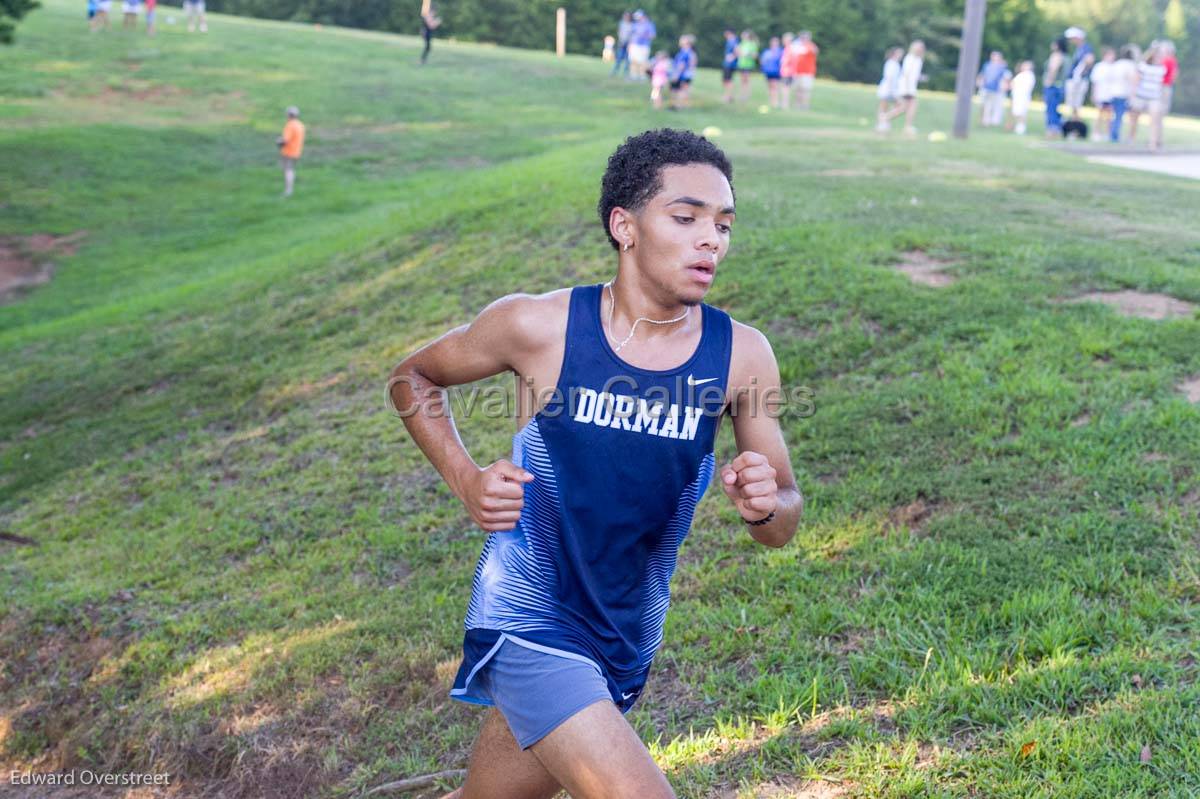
[622,389]
[683,69]
[729,64]
[1079,72]
[992,83]
[641,36]
[770,60]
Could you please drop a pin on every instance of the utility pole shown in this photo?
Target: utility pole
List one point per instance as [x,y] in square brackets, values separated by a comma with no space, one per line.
[968,65]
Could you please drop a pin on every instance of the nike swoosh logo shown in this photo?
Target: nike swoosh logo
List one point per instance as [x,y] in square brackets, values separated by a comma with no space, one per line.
[626,696]
[692,381]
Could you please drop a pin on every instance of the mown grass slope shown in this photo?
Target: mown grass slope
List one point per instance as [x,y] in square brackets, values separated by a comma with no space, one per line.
[245,574]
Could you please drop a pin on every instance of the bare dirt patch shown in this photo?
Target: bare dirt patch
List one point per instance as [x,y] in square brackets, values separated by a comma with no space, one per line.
[670,698]
[924,269]
[27,262]
[850,642]
[1191,388]
[913,516]
[792,788]
[133,102]
[143,92]
[1140,304]
[790,328]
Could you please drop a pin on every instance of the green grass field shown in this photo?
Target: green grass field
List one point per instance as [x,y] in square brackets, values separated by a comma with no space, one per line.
[246,575]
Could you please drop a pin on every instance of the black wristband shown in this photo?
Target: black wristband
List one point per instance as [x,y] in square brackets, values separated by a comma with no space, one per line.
[764,520]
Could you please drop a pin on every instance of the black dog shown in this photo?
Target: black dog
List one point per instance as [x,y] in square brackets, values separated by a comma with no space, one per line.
[1075,127]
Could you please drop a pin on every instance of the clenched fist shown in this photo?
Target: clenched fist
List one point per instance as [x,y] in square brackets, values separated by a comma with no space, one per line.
[494,495]
[749,482]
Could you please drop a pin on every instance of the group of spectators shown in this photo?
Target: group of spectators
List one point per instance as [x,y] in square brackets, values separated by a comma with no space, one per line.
[1128,82]
[1125,81]
[788,63]
[97,14]
[636,33]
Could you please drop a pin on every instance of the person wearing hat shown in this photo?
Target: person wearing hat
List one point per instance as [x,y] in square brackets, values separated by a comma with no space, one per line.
[291,145]
[1080,70]
[641,36]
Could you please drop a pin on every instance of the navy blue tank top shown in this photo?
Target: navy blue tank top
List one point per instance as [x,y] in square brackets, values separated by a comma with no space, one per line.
[620,457]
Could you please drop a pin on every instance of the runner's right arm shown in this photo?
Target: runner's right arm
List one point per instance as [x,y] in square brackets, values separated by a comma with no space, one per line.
[492,343]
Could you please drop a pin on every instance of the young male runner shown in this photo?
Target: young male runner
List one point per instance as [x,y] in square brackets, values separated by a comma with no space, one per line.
[621,388]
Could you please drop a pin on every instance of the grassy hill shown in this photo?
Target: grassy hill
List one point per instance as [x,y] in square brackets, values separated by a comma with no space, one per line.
[245,574]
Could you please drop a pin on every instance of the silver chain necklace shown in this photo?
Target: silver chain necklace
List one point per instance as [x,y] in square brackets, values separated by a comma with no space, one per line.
[612,306]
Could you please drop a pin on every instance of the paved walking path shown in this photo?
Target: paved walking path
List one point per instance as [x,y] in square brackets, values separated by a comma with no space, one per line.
[1183,165]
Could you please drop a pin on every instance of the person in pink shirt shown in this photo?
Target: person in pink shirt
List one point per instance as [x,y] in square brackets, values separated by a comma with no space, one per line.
[660,76]
[151,5]
[787,70]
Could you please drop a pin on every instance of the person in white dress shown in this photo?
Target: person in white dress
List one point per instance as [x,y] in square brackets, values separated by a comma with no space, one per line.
[889,89]
[1022,96]
[910,77]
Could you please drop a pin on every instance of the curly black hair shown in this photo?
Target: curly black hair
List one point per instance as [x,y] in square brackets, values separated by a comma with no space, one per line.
[634,172]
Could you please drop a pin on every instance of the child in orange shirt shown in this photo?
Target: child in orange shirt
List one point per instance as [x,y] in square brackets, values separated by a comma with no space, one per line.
[291,145]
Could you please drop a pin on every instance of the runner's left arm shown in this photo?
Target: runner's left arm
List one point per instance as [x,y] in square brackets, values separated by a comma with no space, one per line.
[759,480]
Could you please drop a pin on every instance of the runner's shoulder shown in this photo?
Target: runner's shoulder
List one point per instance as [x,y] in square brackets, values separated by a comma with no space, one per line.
[751,355]
[532,321]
